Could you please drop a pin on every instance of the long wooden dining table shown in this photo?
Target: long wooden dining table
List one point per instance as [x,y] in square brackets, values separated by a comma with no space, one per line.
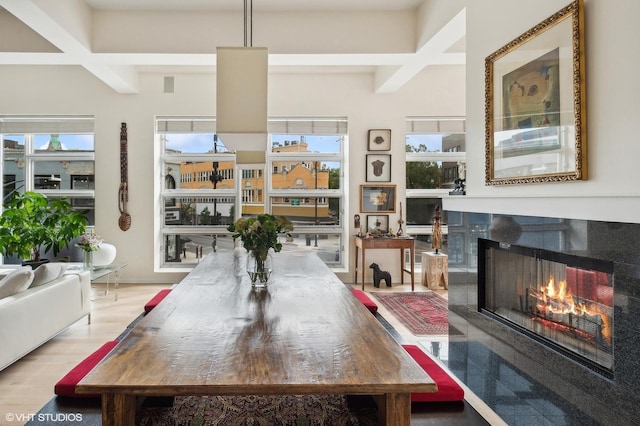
[214,334]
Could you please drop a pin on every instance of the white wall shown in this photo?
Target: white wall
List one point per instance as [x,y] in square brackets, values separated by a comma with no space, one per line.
[612,192]
[71,90]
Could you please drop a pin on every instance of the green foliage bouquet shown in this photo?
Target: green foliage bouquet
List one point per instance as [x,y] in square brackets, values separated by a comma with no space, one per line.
[260,234]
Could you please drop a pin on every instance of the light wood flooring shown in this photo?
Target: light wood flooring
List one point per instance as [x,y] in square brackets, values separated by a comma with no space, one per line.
[27,385]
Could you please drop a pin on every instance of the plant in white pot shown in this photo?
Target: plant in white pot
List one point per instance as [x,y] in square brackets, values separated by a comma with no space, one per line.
[31,223]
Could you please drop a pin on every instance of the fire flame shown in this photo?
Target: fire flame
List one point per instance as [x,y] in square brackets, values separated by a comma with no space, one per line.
[559,300]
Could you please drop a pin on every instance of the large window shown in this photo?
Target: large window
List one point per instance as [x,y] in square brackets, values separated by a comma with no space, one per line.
[197,193]
[435,159]
[51,155]
[307,183]
[203,190]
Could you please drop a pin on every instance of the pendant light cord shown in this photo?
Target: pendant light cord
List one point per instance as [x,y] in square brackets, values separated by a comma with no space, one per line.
[248,23]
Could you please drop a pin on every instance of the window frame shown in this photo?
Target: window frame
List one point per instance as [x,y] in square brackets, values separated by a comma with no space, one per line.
[28,127]
[432,126]
[265,172]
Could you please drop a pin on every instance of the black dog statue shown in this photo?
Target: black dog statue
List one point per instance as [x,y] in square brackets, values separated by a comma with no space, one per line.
[379,275]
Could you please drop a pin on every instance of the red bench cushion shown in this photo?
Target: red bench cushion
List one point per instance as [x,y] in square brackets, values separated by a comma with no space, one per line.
[448,389]
[67,385]
[156,299]
[366,301]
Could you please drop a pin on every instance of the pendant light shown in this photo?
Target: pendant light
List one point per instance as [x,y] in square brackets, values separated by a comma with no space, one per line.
[241,95]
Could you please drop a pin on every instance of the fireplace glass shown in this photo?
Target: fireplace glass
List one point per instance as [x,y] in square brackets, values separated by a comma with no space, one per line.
[563,301]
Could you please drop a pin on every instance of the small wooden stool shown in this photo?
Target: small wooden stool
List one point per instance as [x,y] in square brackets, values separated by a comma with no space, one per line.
[435,270]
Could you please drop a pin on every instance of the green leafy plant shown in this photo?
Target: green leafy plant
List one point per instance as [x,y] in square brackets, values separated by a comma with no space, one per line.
[261,233]
[30,222]
[258,235]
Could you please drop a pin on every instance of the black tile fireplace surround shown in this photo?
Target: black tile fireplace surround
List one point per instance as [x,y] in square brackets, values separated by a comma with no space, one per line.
[522,380]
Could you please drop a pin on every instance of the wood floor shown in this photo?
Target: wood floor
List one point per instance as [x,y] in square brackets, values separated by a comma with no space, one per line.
[27,385]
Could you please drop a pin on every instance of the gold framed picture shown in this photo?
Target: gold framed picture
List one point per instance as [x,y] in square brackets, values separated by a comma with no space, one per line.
[535,119]
[378,198]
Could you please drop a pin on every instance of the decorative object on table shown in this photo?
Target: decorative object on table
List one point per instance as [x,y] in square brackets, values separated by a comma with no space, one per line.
[89,242]
[380,140]
[105,255]
[258,236]
[400,222]
[378,198]
[124,221]
[378,168]
[259,267]
[535,118]
[460,188]
[379,275]
[436,231]
[32,223]
[378,224]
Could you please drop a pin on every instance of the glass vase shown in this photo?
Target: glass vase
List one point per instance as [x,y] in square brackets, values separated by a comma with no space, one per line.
[259,267]
[88,260]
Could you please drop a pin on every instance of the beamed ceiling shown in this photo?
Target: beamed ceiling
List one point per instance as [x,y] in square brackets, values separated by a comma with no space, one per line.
[116,40]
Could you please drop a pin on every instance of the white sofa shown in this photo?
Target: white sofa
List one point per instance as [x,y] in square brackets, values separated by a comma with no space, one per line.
[31,317]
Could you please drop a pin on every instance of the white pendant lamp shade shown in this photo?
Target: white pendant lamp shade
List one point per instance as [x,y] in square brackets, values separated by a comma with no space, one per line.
[241,98]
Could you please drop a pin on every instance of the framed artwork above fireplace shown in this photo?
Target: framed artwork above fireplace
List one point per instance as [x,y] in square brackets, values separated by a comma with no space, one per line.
[535,119]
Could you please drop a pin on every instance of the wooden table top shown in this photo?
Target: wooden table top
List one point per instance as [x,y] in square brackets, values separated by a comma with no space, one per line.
[214,334]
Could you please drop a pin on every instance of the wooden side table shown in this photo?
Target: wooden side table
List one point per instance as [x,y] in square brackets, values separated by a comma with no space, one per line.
[400,243]
[435,270]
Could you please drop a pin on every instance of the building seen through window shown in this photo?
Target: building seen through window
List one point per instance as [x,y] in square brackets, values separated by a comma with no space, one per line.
[51,155]
[205,190]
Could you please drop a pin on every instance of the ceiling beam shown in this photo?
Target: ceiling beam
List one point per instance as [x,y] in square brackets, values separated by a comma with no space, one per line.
[66,26]
[432,52]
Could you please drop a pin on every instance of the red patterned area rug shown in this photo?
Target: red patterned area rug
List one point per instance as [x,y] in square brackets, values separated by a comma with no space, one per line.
[257,410]
[422,313]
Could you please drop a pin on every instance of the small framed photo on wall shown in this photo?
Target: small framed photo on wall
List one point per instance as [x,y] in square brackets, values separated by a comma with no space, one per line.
[380,140]
[378,168]
[378,223]
[378,198]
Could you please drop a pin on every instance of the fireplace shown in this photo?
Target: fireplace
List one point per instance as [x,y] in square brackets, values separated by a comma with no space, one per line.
[561,300]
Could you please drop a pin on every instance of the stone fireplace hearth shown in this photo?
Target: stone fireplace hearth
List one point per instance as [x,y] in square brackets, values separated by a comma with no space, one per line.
[520,378]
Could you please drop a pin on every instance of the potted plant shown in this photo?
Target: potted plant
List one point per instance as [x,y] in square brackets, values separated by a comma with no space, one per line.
[31,223]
